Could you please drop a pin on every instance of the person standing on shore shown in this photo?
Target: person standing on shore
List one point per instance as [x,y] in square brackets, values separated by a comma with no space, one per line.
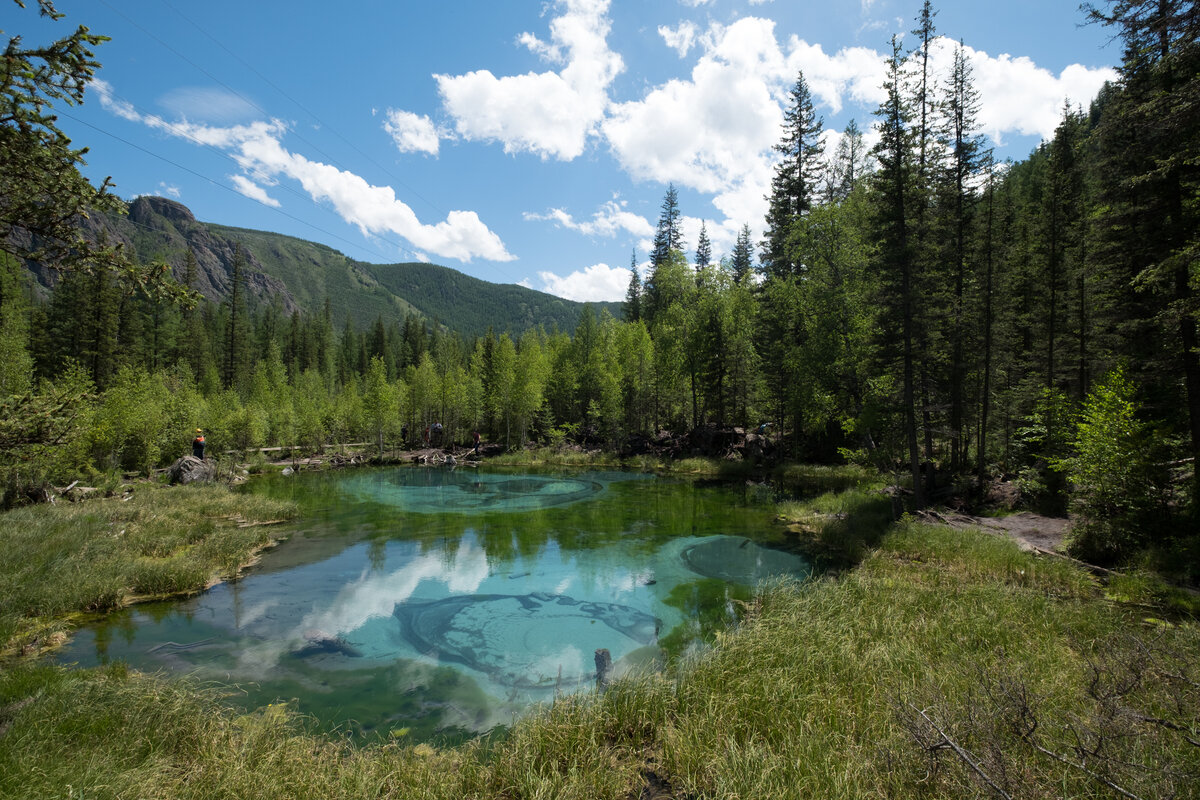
[198,444]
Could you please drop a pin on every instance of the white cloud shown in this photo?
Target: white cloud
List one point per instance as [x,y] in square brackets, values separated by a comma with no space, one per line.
[209,104]
[252,190]
[680,38]
[696,3]
[374,210]
[168,190]
[853,73]
[596,283]
[608,221]
[551,114]
[1019,97]
[412,133]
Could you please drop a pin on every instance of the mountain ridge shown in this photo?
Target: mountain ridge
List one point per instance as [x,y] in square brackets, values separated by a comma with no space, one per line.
[301,275]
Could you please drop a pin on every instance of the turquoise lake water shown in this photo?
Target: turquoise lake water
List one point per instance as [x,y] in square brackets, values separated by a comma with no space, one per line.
[436,603]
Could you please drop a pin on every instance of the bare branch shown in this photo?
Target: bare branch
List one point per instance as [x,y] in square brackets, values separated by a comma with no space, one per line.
[946,741]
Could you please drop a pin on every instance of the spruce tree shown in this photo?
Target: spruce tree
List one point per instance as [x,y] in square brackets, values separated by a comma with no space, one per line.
[235,331]
[667,235]
[703,249]
[897,298]
[797,178]
[743,256]
[633,295]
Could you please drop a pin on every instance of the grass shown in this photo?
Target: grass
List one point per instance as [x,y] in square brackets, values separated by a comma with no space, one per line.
[839,688]
[857,686]
[58,563]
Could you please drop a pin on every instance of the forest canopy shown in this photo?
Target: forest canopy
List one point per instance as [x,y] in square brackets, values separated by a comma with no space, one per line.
[918,307]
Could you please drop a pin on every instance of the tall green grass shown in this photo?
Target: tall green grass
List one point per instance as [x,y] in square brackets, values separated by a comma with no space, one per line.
[818,694]
[57,562]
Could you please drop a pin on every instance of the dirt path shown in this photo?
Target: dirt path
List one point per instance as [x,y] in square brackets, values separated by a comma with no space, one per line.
[1031,531]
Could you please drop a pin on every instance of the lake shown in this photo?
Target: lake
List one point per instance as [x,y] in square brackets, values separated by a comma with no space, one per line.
[438,603]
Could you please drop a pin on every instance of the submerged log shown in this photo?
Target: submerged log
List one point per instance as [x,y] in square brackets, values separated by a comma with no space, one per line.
[603,668]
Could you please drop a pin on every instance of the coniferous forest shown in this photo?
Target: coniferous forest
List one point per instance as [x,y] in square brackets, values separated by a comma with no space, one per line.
[918,307]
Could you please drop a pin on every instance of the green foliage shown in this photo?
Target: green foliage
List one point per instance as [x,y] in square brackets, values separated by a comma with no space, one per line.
[99,554]
[1044,441]
[1117,485]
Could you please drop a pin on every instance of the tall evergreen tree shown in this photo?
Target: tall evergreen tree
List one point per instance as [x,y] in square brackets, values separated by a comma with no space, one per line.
[797,177]
[1149,142]
[667,236]
[893,185]
[236,325]
[633,295]
[743,256]
[703,249]
[966,156]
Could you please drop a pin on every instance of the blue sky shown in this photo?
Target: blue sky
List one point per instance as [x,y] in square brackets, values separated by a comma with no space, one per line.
[520,142]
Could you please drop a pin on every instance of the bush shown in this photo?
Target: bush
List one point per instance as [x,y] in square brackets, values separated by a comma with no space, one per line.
[1118,491]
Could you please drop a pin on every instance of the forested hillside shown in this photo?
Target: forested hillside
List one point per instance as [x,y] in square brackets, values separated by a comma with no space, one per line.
[918,307]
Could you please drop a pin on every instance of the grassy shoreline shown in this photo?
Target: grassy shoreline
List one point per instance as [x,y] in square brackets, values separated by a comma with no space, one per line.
[856,686]
[60,563]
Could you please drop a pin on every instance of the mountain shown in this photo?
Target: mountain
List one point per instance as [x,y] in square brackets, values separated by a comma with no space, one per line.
[300,276]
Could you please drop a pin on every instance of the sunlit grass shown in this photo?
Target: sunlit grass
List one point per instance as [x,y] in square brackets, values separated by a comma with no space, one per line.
[816,694]
[813,696]
[60,561]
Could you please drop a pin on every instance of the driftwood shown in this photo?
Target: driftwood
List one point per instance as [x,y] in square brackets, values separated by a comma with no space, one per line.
[603,668]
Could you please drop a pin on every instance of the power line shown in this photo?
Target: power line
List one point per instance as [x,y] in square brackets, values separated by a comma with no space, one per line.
[264,112]
[217,183]
[306,110]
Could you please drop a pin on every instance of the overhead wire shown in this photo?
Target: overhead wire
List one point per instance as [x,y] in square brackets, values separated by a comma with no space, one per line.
[306,110]
[214,182]
[263,111]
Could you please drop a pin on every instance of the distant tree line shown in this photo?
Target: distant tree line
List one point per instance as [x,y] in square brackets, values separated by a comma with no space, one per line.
[917,306]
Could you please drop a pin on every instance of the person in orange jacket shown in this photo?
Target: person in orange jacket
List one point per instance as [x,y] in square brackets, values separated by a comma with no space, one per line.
[198,444]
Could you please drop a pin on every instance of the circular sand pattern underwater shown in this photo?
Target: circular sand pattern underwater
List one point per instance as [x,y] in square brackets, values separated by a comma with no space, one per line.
[739,560]
[431,491]
[525,640]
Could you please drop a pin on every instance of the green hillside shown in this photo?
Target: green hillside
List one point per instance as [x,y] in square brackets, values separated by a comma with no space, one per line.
[313,272]
[299,274]
[471,306]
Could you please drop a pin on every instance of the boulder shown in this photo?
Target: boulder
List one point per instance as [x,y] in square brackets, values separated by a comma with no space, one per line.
[190,469]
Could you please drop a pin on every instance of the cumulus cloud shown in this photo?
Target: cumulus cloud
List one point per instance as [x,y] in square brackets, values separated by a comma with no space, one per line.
[258,149]
[611,219]
[208,104]
[680,38]
[250,189]
[597,283]
[412,133]
[550,114]
[1017,96]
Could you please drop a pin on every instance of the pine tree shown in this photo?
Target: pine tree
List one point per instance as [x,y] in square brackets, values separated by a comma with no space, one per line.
[850,165]
[703,249]
[797,178]
[897,299]
[966,156]
[743,256]
[235,336]
[633,295]
[667,236]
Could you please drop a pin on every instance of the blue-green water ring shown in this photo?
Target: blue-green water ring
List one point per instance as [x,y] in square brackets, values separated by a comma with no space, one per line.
[465,491]
[739,560]
[516,639]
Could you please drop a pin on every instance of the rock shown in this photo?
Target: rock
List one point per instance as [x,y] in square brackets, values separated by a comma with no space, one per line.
[318,642]
[287,471]
[190,469]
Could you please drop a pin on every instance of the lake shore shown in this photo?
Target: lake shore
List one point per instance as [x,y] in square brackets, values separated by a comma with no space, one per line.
[923,670]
